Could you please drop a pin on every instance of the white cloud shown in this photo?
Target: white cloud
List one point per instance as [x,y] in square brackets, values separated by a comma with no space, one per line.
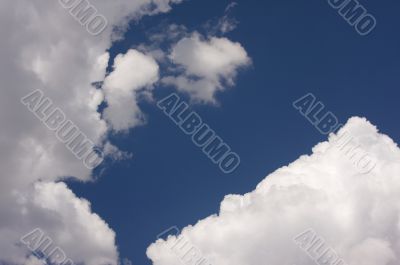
[132,72]
[115,153]
[47,49]
[209,65]
[357,214]
[224,24]
[46,204]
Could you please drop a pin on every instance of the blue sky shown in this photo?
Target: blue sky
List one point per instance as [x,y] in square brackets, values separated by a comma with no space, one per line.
[69,86]
[296,47]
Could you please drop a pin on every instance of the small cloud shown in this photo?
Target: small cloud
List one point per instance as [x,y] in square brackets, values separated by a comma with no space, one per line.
[126,261]
[224,24]
[207,66]
[132,72]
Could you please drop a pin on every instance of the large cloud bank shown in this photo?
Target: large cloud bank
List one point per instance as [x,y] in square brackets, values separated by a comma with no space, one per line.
[356,215]
[44,47]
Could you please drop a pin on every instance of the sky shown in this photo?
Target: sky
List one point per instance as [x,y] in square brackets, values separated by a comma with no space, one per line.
[238,65]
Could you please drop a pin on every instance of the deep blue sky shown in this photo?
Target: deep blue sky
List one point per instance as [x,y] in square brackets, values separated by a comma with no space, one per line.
[296,47]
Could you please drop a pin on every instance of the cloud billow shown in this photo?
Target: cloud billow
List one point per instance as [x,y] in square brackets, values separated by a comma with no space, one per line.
[47,49]
[208,66]
[357,214]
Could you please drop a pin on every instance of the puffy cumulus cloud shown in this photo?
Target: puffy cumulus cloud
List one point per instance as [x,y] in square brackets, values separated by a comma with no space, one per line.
[209,65]
[132,72]
[49,203]
[357,215]
[47,49]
